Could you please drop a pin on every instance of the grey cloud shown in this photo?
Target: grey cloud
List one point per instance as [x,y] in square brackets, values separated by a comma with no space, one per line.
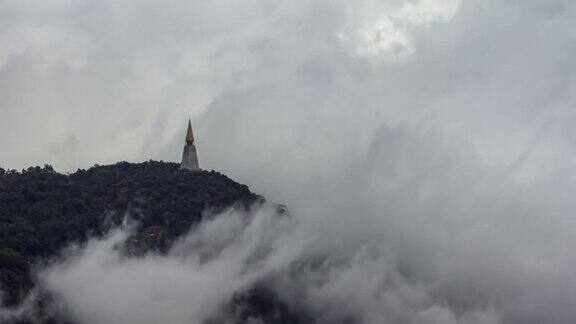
[443,179]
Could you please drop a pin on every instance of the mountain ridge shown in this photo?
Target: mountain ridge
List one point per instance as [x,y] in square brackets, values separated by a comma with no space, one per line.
[43,211]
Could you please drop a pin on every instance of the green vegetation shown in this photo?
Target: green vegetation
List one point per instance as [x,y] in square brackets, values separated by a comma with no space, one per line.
[42,211]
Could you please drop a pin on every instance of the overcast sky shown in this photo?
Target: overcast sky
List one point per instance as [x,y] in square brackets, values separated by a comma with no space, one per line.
[289,83]
[442,130]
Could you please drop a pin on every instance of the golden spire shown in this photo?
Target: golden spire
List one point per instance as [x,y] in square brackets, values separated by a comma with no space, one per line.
[189,134]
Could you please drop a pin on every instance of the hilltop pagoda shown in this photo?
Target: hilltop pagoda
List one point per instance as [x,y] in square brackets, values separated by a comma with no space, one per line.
[189,156]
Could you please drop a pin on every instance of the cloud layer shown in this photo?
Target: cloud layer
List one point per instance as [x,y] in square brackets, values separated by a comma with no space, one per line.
[425,148]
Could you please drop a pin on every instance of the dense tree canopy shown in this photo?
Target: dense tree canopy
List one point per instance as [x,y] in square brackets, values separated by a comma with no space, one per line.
[42,211]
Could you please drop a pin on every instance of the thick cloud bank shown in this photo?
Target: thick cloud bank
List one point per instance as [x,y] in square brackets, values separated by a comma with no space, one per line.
[425,149]
[409,235]
[188,285]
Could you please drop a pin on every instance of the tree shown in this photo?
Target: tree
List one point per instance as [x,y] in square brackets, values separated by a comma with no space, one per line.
[42,211]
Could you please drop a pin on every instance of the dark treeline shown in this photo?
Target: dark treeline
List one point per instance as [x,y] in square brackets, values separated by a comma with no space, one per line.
[42,211]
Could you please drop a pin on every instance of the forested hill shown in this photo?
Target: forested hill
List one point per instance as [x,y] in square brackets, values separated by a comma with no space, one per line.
[42,211]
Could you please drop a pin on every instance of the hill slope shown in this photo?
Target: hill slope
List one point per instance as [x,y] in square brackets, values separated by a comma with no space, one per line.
[42,211]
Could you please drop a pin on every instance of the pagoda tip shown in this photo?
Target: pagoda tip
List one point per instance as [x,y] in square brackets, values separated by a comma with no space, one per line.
[189,133]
